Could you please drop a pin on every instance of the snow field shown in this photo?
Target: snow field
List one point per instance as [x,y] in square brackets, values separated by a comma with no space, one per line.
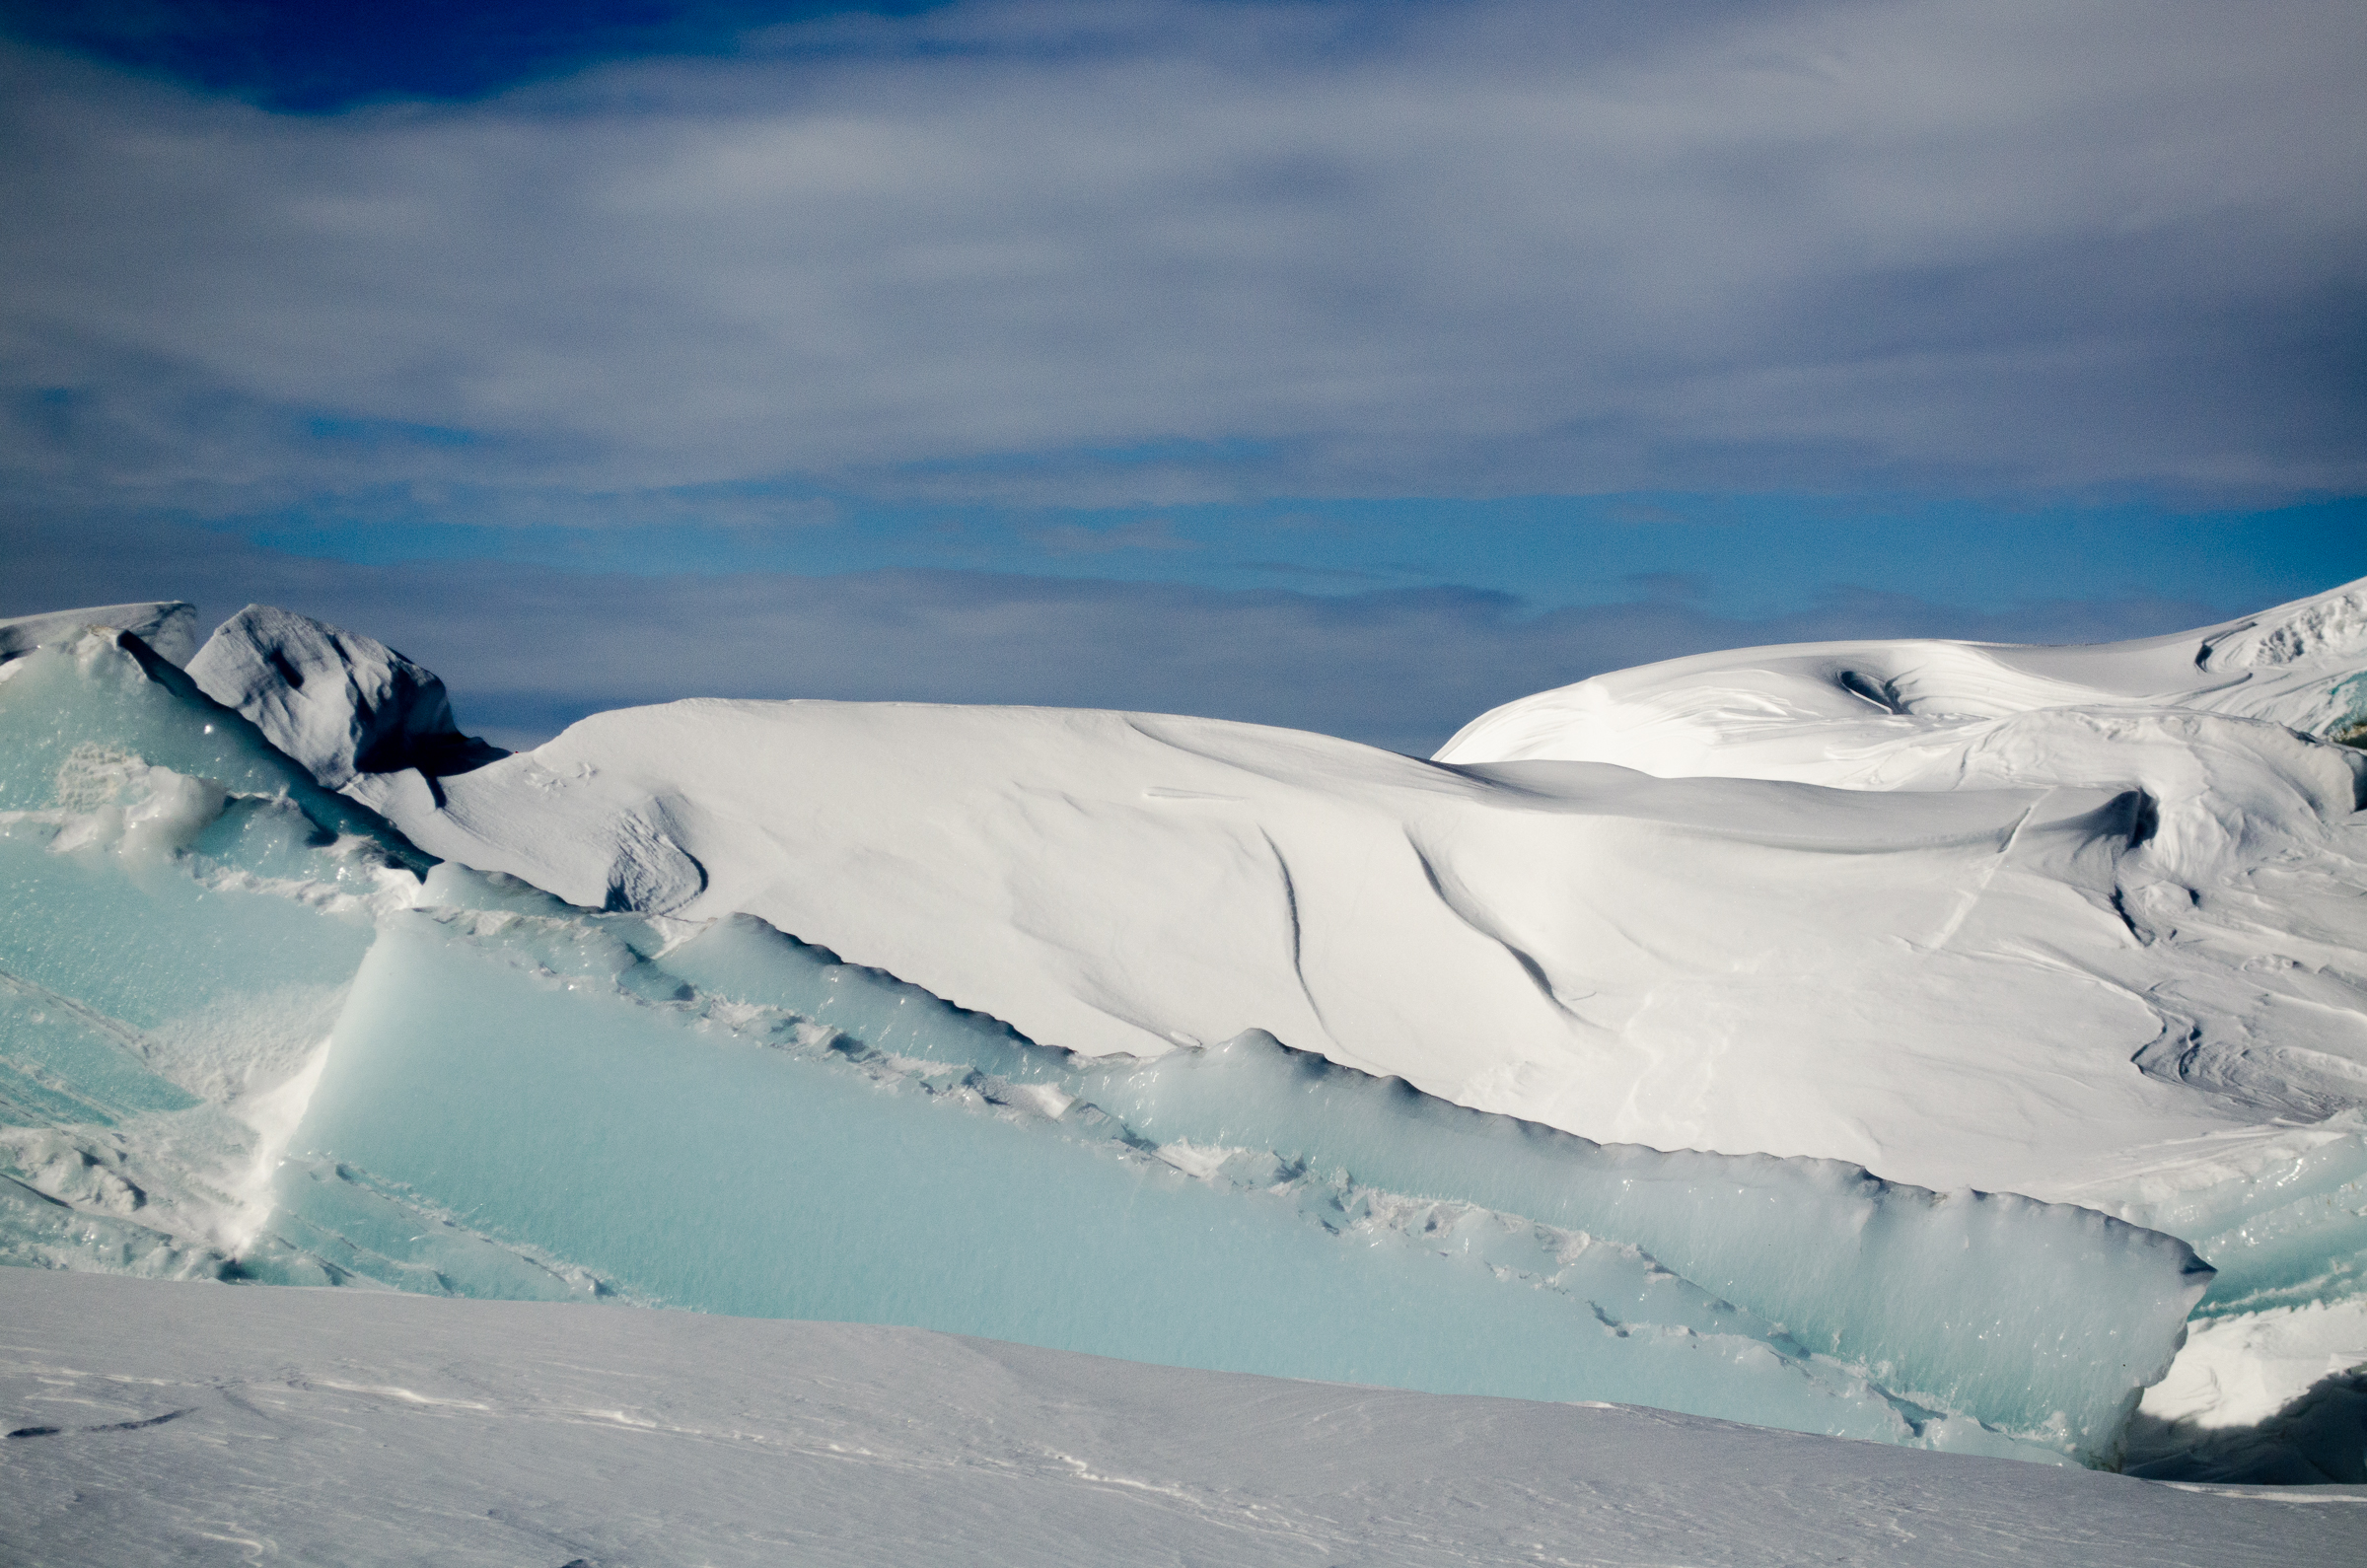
[192,1422]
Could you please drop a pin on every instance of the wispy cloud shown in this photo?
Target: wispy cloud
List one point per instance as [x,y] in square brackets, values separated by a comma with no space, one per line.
[1485,247]
[1078,539]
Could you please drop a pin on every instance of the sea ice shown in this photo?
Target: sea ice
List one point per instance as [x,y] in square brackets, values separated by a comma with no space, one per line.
[464,1085]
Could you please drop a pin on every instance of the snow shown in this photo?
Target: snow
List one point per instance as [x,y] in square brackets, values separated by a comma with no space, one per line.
[1860,1038]
[473,1087]
[1736,964]
[170,1422]
[169,626]
[335,701]
[2255,1392]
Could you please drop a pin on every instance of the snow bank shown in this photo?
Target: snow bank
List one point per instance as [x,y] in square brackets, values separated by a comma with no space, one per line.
[2083,924]
[467,1086]
[173,1422]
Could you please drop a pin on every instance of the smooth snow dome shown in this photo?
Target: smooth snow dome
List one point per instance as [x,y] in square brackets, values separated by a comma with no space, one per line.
[2098,928]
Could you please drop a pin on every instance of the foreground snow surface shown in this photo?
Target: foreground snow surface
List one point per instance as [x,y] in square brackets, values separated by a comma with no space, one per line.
[154,1422]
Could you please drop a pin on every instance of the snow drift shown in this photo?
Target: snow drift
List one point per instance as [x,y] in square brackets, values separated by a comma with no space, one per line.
[2091,935]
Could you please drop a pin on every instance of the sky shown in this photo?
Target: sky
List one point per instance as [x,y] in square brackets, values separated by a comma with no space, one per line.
[1335,363]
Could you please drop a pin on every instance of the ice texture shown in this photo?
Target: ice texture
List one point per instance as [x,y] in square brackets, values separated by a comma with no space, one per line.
[314,1067]
[72,714]
[337,702]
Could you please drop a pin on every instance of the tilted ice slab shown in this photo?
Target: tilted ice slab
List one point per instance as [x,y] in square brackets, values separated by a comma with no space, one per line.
[520,1097]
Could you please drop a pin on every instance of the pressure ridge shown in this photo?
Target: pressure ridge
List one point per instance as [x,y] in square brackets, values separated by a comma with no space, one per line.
[1887,1040]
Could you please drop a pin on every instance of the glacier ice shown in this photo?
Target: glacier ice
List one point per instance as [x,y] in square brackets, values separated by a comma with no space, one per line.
[461,1084]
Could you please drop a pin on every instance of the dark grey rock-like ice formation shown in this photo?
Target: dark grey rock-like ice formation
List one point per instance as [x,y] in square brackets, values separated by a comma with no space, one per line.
[339,703]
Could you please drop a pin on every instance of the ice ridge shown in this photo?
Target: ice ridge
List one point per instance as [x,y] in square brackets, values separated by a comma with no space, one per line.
[463,1085]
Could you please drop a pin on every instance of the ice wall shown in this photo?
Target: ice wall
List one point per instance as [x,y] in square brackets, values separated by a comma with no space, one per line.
[558,1099]
[518,1098]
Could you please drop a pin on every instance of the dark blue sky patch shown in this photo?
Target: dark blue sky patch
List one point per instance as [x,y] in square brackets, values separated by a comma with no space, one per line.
[309,57]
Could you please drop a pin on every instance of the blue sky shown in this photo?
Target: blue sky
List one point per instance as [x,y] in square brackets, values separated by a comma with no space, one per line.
[1036,351]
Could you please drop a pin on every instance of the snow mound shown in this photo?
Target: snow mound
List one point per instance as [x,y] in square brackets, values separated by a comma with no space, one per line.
[1903,714]
[339,703]
[169,626]
[1353,1065]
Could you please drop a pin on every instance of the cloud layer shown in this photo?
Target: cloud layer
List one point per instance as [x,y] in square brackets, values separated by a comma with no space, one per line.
[528,649]
[1143,253]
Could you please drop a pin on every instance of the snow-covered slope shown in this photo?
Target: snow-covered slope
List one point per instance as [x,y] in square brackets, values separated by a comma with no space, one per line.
[2139,930]
[157,1422]
[241,1039]
[1926,715]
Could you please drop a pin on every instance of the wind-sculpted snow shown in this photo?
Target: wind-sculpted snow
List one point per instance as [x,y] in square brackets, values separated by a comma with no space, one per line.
[337,702]
[2248,896]
[1995,987]
[294,1061]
